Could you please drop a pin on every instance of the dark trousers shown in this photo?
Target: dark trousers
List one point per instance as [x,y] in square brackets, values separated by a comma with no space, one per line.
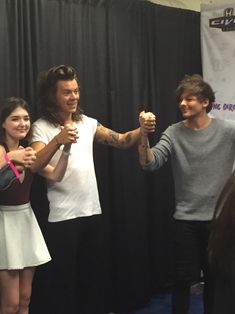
[73,282]
[190,245]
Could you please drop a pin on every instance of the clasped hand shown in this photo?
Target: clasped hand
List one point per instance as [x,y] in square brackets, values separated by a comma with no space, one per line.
[67,135]
[147,122]
[23,157]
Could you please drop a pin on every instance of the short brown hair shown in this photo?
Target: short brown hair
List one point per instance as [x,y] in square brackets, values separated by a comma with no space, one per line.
[196,86]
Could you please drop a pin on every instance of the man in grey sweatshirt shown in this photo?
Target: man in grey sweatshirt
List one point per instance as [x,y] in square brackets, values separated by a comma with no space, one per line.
[202,151]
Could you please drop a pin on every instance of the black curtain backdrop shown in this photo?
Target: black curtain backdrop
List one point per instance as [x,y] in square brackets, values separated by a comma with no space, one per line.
[130,55]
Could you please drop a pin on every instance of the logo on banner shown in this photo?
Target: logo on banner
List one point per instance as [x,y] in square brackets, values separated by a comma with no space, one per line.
[226,23]
[223,107]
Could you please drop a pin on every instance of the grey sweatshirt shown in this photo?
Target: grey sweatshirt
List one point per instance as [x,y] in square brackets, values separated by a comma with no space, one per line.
[201,160]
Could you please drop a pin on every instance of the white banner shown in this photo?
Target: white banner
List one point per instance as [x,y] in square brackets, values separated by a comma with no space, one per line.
[218,55]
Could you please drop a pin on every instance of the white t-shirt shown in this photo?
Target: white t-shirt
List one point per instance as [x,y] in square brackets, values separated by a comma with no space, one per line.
[77,194]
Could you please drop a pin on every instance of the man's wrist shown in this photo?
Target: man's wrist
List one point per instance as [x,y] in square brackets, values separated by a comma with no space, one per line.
[143,133]
[57,142]
[66,152]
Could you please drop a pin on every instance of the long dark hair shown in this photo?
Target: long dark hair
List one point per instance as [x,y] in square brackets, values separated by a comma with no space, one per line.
[7,106]
[221,247]
[46,89]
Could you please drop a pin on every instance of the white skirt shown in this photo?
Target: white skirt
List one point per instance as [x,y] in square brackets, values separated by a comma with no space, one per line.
[21,240]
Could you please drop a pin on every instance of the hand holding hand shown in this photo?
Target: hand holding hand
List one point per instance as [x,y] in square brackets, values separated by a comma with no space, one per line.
[67,135]
[29,157]
[147,122]
[23,156]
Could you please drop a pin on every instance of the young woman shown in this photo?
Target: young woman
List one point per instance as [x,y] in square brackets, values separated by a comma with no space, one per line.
[222,249]
[22,245]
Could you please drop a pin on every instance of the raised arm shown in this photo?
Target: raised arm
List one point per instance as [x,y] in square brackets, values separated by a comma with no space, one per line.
[145,152]
[67,135]
[120,140]
[57,173]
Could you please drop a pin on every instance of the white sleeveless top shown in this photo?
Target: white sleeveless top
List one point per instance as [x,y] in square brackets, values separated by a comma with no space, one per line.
[77,194]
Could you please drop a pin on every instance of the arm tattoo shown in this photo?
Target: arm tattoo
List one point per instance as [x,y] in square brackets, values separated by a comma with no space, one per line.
[128,138]
[143,151]
[113,137]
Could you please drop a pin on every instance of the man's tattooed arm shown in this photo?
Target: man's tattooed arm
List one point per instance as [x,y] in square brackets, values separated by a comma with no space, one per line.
[145,153]
[147,125]
[120,140]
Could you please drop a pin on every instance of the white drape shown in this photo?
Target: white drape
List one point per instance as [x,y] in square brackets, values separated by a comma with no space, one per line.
[218,55]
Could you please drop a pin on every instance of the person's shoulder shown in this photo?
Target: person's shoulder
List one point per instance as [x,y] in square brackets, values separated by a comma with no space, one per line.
[41,122]
[176,126]
[87,119]
[226,123]
[225,127]
[173,129]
